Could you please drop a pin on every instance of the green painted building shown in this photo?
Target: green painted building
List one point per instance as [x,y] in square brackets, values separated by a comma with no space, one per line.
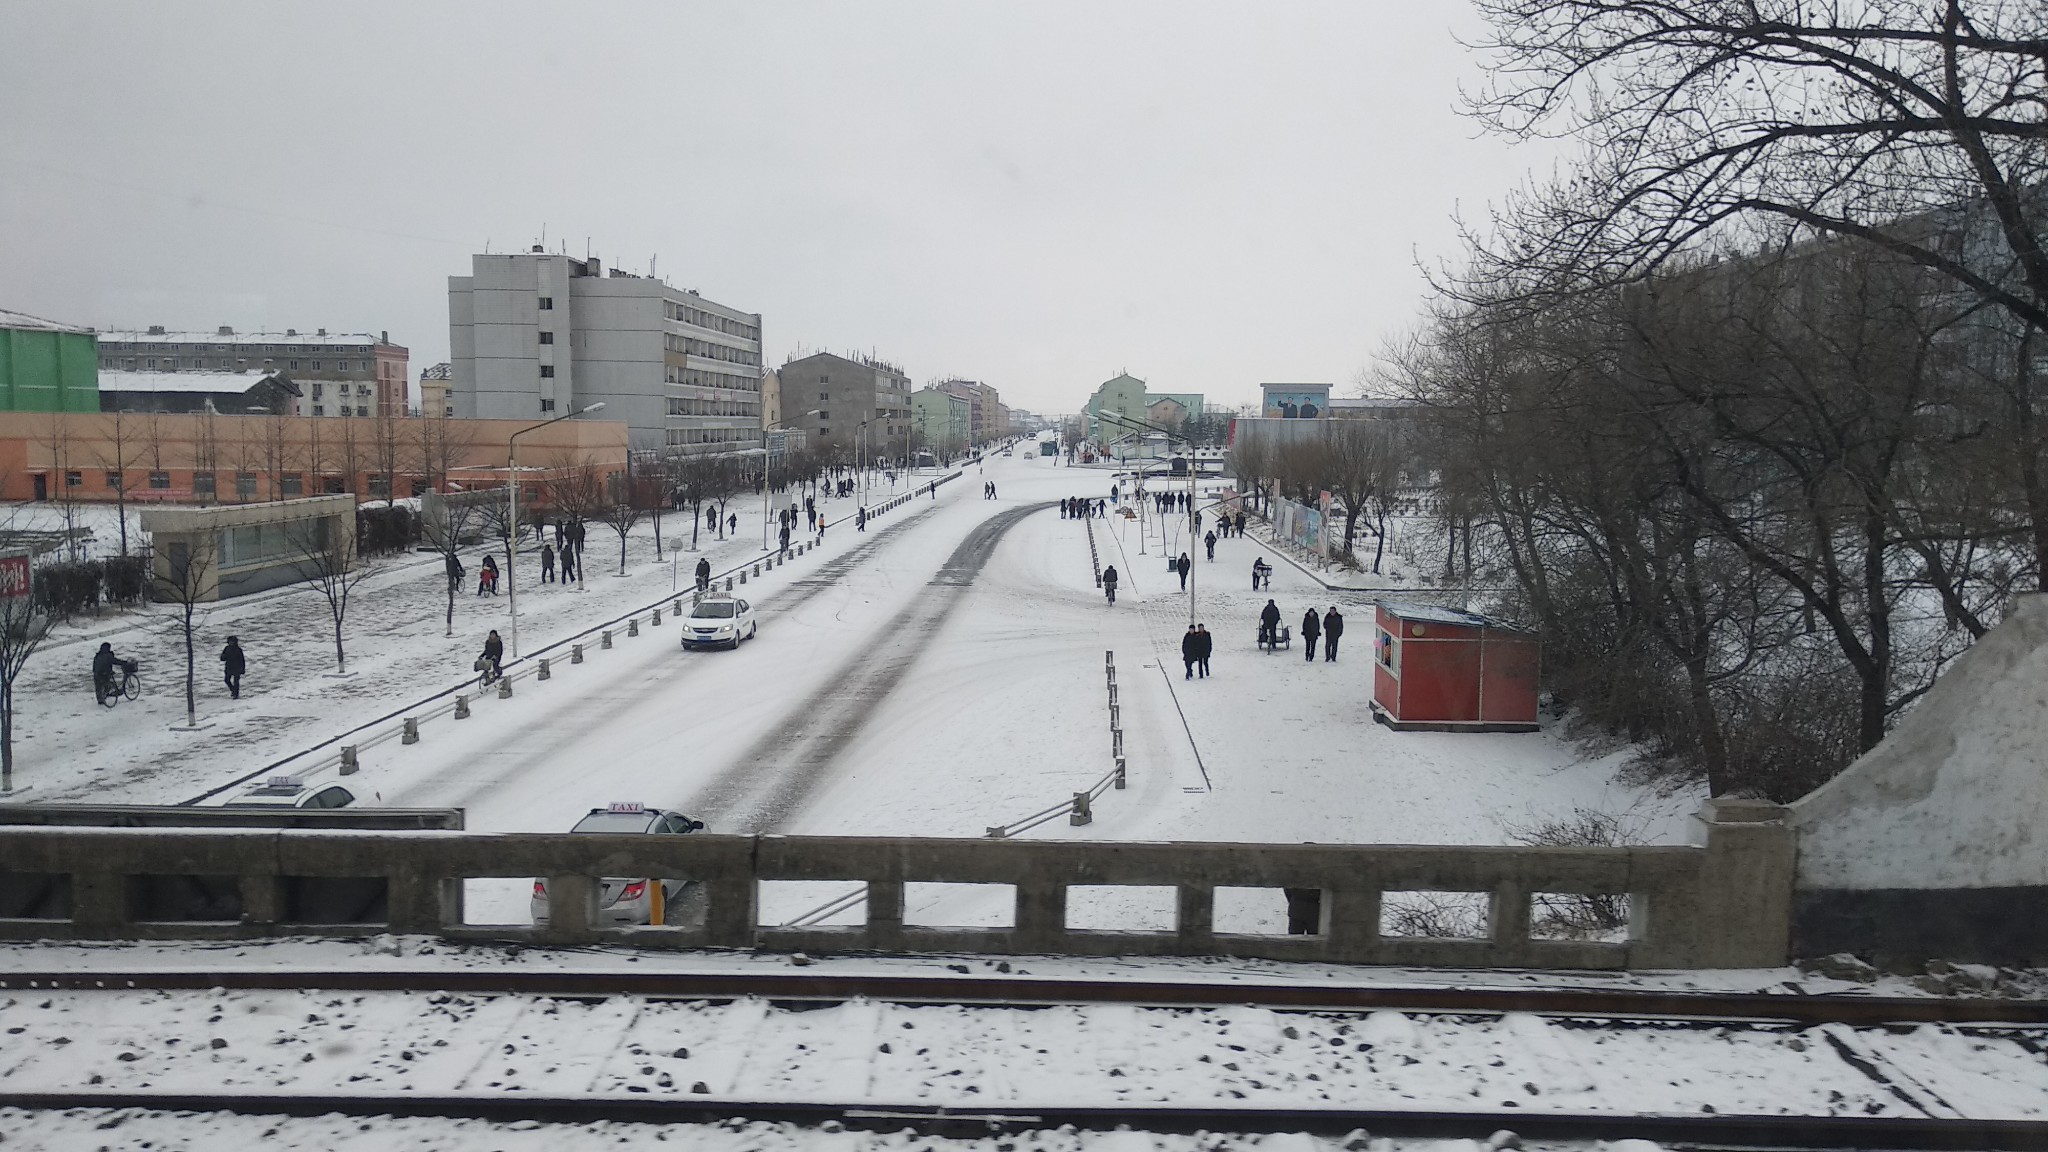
[46,366]
[942,421]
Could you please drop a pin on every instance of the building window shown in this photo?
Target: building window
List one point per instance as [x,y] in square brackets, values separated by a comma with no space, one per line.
[319,390]
[106,361]
[291,485]
[547,303]
[316,365]
[547,405]
[245,485]
[547,371]
[293,364]
[74,479]
[159,480]
[823,396]
[362,410]
[202,485]
[114,480]
[380,488]
[547,337]
[150,364]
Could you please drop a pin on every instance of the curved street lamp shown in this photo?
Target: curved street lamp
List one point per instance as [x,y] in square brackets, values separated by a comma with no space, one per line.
[512,550]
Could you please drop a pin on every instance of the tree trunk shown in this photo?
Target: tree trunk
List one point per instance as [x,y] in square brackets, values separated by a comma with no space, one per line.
[451,604]
[7,736]
[191,691]
[340,657]
[1379,548]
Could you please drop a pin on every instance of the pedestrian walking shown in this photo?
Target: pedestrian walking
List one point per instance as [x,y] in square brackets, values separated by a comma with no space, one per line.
[1269,626]
[1208,645]
[232,665]
[1190,651]
[547,563]
[785,537]
[860,520]
[1311,627]
[704,575]
[1183,566]
[734,525]
[1210,540]
[1333,627]
[487,577]
[1240,523]
[493,658]
[1262,573]
[572,569]
[455,573]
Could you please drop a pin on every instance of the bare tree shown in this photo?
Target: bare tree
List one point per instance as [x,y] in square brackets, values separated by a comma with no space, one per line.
[185,577]
[325,556]
[59,443]
[122,449]
[22,630]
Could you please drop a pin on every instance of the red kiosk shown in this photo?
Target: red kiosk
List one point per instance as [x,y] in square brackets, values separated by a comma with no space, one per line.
[1448,670]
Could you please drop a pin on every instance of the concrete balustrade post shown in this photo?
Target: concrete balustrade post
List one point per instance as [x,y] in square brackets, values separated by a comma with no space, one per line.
[504,687]
[1081,814]
[349,766]
[576,654]
[604,639]
[545,672]
[412,731]
[462,707]
[633,627]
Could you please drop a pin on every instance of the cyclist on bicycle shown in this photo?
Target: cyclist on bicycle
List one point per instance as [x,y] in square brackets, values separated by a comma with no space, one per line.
[104,683]
[1109,579]
[494,655]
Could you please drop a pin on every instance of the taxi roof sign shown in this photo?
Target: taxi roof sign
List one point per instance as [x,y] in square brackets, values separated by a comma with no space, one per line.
[626,806]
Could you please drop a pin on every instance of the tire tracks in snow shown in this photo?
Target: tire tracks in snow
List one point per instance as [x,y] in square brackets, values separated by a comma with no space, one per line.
[771,782]
[550,744]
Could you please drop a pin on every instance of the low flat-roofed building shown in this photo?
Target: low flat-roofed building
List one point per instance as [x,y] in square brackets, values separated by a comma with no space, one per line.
[238,393]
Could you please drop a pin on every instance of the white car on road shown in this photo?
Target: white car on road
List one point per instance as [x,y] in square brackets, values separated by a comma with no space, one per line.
[718,622]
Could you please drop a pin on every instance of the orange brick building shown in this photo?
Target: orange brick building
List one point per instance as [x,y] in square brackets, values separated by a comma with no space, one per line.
[208,458]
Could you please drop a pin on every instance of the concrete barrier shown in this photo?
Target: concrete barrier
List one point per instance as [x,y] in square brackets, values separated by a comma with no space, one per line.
[504,687]
[462,707]
[1723,903]
[604,639]
[576,654]
[545,672]
[633,627]
[349,764]
[412,731]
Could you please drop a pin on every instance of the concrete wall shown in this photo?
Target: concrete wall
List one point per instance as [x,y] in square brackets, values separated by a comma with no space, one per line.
[200,533]
[1722,903]
[1935,843]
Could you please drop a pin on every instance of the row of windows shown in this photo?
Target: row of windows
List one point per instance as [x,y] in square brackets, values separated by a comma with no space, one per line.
[677,406]
[341,410]
[198,363]
[341,389]
[702,379]
[146,346]
[710,351]
[714,436]
[289,485]
[713,321]
[883,430]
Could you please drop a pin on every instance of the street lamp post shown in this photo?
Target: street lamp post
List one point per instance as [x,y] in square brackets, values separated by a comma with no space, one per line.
[1132,424]
[512,549]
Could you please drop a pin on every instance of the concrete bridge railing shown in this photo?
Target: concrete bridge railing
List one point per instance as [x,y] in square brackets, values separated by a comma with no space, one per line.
[1722,902]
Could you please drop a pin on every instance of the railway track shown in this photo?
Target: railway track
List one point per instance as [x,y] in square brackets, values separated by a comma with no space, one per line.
[981,990]
[1716,1131]
[1623,1008]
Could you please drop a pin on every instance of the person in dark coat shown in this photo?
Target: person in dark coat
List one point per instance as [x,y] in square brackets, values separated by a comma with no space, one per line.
[1269,626]
[487,577]
[1210,540]
[232,665]
[494,654]
[1190,651]
[1202,654]
[1333,627]
[1109,581]
[547,563]
[455,573]
[1311,627]
[1183,566]
[704,575]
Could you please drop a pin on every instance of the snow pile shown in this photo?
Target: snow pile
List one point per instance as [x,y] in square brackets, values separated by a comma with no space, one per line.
[1956,796]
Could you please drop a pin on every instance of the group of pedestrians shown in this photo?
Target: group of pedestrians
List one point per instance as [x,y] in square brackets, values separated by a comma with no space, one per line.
[988,490]
[1164,502]
[1329,628]
[1079,507]
[1195,648]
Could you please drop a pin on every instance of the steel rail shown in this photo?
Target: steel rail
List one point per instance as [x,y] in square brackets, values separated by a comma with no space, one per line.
[999,990]
[1721,1131]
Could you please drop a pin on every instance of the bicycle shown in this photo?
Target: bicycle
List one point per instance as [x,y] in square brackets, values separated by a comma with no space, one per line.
[129,687]
[491,672]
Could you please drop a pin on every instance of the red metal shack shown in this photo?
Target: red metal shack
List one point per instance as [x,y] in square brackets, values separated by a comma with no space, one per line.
[1448,670]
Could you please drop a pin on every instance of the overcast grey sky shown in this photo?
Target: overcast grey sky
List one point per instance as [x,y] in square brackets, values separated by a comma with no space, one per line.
[1035,194]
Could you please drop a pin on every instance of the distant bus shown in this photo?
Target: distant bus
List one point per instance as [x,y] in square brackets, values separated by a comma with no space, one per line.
[1048,448]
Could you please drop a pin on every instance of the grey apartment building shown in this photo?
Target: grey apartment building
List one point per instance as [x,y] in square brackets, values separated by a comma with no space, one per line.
[837,400]
[534,334]
[338,374]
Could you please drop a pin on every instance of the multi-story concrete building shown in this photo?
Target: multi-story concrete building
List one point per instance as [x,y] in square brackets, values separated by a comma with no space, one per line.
[985,406]
[941,422]
[1127,396]
[339,374]
[848,404]
[534,334]
[434,391]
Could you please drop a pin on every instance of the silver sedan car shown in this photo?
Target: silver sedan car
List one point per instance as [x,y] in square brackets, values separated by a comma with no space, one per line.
[624,900]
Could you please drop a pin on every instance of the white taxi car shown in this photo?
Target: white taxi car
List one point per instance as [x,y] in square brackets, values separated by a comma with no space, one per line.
[627,900]
[718,621]
[293,792]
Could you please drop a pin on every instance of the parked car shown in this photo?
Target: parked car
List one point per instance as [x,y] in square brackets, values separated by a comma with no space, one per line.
[292,792]
[624,900]
[718,621]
